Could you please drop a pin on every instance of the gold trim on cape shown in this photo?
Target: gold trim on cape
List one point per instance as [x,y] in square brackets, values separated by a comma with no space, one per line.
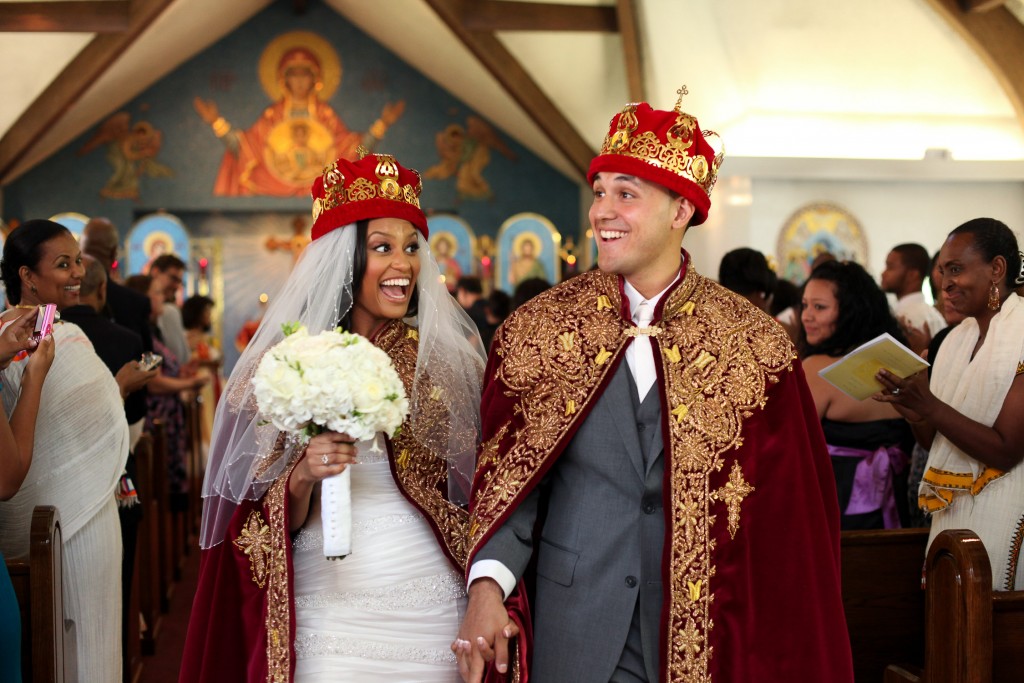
[718,356]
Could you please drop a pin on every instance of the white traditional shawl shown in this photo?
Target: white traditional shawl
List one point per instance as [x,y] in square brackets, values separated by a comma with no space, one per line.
[975,388]
[81,441]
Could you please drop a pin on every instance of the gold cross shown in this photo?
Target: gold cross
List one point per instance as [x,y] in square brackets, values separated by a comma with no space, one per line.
[732,494]
[679,103]
[254,541]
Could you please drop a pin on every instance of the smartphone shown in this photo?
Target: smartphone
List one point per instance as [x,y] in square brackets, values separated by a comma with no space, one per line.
[44,321]
[150,360]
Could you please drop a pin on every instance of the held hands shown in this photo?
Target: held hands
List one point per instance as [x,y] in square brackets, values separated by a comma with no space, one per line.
[485,632]
[326,454]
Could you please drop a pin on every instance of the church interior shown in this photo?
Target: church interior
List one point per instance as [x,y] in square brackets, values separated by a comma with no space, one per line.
[197,128]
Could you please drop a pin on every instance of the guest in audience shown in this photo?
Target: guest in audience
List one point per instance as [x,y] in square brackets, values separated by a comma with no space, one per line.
[388,611]
[869,442]
[498,306]
[197,317]
[785,307]
[120,350]
[168,271]
[80,449]
[164,400]
[527,289]
[16,439]
[469,292]
[906,268]
[972,411]
[125,307]
[746,272]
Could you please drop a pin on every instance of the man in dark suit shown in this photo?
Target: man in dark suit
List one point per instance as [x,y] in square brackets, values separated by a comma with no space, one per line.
[124,306]
[120,349]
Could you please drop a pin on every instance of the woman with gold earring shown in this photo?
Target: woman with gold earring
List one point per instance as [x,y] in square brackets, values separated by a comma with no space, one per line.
[972,413]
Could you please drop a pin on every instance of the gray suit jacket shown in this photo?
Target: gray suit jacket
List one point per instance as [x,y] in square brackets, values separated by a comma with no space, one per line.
[600,544]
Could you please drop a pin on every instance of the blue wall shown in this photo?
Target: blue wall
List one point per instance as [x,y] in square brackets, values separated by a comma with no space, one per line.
[227,73]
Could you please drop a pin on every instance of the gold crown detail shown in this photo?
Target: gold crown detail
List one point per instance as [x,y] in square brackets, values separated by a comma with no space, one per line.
[386,186]
[676,154]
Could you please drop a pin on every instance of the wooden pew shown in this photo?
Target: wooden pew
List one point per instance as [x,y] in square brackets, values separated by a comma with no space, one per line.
[148,559]
[164,516]
[974,634]
[38,585]
[882,598]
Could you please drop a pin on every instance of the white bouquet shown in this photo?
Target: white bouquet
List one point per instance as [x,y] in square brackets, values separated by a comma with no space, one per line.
[337,381]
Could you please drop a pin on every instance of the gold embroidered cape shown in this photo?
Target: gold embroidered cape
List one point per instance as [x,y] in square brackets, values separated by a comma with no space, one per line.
[750,501]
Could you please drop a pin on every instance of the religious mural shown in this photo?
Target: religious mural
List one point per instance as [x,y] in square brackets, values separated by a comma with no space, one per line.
[288,146]
[153,236]
[453,246]
[817,228]
[73,221]
[465,153]
[131,149]
[528,247]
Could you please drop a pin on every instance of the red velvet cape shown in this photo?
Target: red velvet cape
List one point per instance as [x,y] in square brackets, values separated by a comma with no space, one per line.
[242,624]
[751,561]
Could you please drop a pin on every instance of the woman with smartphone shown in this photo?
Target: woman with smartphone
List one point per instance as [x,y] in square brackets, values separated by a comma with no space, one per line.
[81,445]
[16,439]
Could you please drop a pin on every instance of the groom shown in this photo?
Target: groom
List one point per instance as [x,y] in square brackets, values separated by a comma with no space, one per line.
[652,462]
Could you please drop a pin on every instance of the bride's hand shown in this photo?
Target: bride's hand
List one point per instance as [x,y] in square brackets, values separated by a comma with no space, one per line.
[326,454]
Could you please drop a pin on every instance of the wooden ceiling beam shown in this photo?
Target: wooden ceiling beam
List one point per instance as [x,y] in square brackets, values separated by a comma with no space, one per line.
[76,78]
[507,70]
[980,5]
[628,27]
[85,16]
[494,15]
[998,38]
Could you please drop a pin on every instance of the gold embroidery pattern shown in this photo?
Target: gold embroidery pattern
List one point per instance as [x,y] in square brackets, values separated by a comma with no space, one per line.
[732,494]
[254,541]
[278,619]
[719,360]
[421,474]
[728,358]
[550,378]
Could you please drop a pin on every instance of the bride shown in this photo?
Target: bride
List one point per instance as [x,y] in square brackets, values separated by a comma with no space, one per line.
[270,606]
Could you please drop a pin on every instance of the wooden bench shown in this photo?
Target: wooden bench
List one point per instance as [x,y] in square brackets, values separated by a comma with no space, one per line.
[974,634]
[882,598]
[38,585]
[148,569]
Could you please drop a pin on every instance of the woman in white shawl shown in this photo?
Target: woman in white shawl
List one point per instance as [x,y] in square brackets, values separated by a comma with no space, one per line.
[973,412]
[81,445]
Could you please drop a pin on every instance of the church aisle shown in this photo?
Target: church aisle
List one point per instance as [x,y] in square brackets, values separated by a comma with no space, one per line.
[163,666]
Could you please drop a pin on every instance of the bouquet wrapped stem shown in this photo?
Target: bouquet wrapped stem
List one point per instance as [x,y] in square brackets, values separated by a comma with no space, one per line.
[336,515]
[335,381]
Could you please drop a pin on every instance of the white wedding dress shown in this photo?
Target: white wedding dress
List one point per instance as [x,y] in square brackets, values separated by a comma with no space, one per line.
[389,611]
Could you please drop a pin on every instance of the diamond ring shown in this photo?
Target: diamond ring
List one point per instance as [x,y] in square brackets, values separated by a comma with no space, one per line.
[324,459]
[895,392]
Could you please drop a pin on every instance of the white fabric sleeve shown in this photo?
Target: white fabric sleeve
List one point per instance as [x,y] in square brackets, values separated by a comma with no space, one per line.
[493,569]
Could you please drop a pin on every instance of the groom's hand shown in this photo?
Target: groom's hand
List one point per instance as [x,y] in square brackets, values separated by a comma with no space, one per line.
[485,632]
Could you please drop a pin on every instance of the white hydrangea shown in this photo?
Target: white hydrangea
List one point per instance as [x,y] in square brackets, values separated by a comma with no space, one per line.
[333,381]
